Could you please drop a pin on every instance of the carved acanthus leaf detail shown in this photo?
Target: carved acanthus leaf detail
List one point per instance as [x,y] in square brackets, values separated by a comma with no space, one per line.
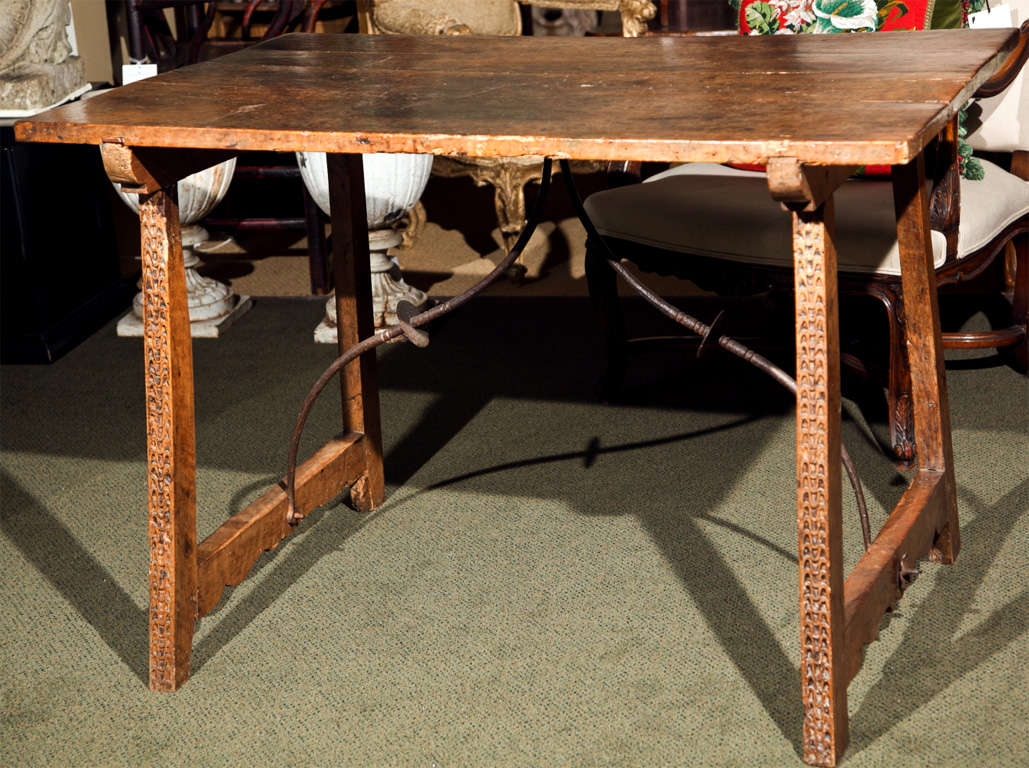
[635,15]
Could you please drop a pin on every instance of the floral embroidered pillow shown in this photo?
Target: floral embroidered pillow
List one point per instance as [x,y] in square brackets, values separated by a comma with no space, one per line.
[776,17]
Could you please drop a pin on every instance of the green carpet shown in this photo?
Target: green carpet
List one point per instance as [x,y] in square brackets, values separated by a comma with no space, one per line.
[552,581]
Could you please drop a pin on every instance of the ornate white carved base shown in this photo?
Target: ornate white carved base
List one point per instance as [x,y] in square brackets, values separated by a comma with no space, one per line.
[212,305]
[388,288]
[392,185]
[132,325]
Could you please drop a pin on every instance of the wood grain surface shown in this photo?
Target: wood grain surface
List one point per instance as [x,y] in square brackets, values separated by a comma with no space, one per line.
[822,99]
[925,347]
[227,555]
[352,277]
[874,586]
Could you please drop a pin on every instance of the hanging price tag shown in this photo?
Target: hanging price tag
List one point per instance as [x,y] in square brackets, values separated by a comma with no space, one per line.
[130,73]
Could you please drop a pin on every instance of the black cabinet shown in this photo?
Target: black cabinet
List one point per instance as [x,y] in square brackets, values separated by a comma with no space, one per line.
[60,278]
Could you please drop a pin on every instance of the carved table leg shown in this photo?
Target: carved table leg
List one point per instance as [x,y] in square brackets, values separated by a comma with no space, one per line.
[171,454]
[925,351]
[819,521]
[354,313]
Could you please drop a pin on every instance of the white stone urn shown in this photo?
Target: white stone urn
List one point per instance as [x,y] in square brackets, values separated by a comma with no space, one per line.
[212,305]
[392,185]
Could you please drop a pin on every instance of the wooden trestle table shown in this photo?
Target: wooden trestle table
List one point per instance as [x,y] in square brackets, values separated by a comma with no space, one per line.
[811,107]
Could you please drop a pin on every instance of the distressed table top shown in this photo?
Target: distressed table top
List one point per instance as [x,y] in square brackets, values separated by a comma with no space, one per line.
[822,99]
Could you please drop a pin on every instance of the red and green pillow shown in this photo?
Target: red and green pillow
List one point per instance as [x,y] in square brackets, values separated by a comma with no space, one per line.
[769,17]
[777,17]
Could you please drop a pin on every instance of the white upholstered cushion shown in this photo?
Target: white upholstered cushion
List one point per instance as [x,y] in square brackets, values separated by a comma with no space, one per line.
[1004,118]
[714,210]
[989,205]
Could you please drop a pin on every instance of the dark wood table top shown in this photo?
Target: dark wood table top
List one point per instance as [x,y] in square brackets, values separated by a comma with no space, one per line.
[822,99]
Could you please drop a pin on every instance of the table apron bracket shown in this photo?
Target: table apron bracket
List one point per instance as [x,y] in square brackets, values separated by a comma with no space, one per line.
[145,170]
[802,187]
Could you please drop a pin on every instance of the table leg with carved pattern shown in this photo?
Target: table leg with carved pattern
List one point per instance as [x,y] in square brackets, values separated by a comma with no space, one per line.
[187,578]
[171,453]
[838,617]
[819,520]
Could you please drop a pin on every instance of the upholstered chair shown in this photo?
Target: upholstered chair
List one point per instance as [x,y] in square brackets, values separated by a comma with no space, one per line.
[508,176]
[718,227]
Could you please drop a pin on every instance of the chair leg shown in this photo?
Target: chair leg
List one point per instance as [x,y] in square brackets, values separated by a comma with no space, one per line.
[509,200]
[898,383]
[898,400]
[412,224]
[1017,355]
[602,283]
[898,388]
[317,248]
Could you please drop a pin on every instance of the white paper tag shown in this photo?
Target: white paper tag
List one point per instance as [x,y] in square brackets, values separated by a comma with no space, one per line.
[130,73]
[996,17]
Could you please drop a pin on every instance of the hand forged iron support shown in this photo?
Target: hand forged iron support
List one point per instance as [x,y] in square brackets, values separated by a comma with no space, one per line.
[708,333]
[407,328]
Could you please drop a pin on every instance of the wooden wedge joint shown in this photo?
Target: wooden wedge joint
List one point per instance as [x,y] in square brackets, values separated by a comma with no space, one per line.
[145,170]
[906,573]
[801,187]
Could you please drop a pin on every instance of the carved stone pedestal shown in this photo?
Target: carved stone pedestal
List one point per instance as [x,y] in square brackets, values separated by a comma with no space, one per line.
[212,305]
[388,287]
[392,184]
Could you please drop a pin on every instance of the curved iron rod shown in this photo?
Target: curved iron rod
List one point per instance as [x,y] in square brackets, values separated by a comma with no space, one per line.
[703,330]
[393,332]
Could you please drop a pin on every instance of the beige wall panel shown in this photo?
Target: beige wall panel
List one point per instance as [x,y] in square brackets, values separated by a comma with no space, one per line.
[91,34]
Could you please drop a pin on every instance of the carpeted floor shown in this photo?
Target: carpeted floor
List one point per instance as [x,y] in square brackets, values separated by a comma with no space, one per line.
[552,581]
